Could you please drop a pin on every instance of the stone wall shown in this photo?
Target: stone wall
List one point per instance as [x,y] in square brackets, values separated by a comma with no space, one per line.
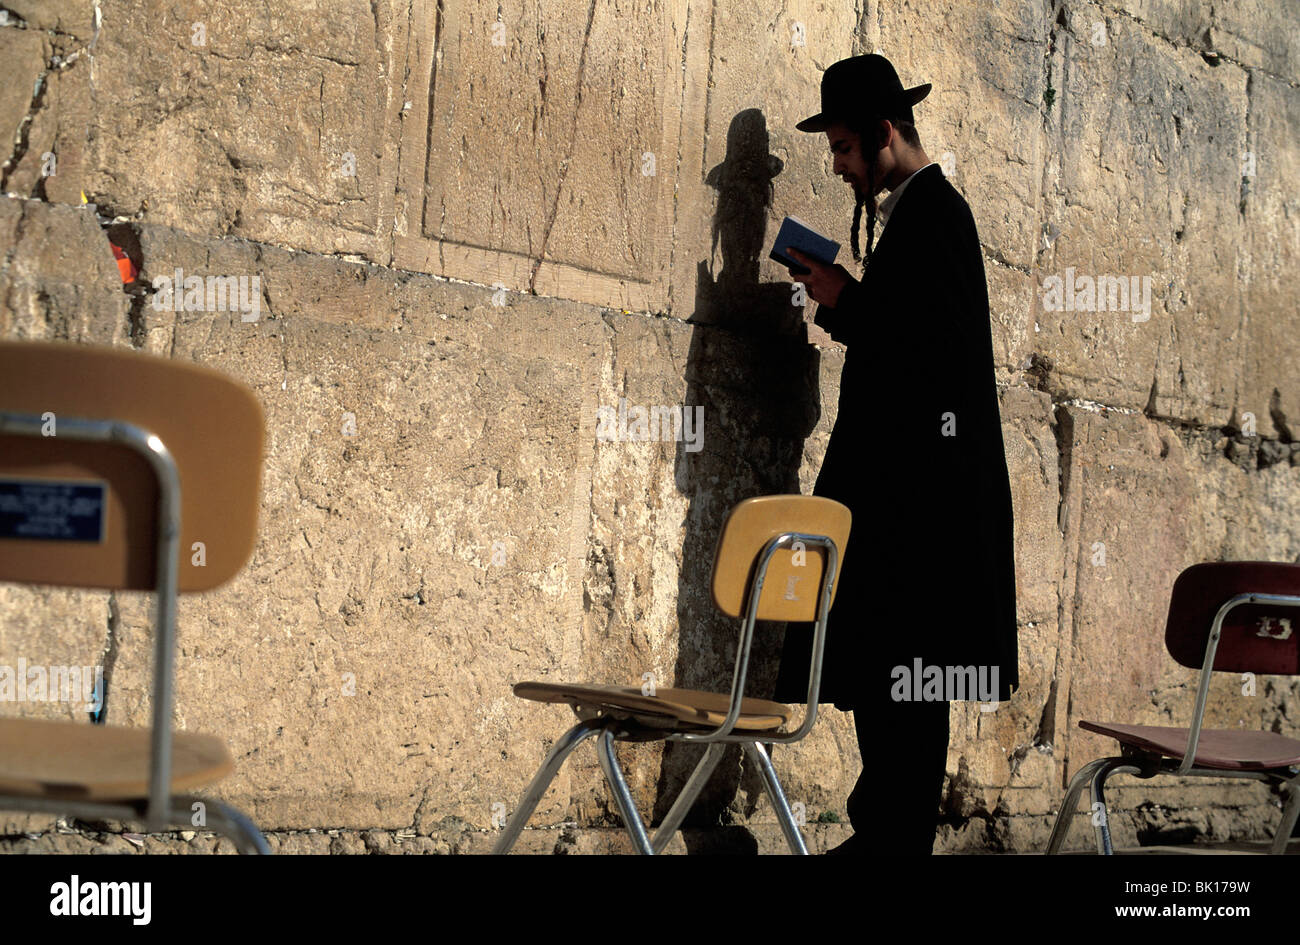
[475,223]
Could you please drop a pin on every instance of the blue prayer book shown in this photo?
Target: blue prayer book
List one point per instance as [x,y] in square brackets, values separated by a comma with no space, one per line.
[799,235]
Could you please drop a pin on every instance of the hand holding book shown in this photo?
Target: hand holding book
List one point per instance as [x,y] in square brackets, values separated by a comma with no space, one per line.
[810,257]
[824,283]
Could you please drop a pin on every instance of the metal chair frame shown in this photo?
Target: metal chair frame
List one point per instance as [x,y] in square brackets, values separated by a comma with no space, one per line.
[160,809]
[611,729]
[1144,765]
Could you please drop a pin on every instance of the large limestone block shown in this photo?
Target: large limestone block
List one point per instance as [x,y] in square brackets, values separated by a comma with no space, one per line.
[540,122]
[1029,438]
[56,165]
[999,751]
[239,120]
[23,52]
[1146,179]
[1128,496]
[58,278]
[982,119]
[755,167]
[1011,302]
[57,16]
[1181,24]
[1260,34]
[1269,254]
[405,577]
[658,507]
[1143,504]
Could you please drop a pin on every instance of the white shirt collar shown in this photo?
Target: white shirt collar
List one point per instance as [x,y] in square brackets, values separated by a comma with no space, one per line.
[887,205]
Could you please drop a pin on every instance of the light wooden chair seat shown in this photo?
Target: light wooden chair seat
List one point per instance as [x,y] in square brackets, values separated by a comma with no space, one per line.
[676,708]
[76,761]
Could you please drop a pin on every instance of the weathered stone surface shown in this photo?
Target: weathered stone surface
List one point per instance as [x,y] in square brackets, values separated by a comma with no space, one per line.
[739,181]
[1132,200]
[23,51]
[594,93]
[1258,34]
[1141,504]
[1270,252]
[53,164]
[376,574]
[238,122]
[982,119]
[58,280]
[57,17]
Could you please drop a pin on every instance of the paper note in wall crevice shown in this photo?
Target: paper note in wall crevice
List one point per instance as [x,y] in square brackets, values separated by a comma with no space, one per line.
[799,235]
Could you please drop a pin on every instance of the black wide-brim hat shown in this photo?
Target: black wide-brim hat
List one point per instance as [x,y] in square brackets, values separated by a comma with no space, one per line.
[863,86]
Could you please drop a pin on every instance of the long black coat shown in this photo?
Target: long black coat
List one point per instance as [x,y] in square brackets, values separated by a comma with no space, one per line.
[929,571]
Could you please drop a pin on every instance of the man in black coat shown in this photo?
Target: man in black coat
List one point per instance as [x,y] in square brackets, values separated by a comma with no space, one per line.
[927,584]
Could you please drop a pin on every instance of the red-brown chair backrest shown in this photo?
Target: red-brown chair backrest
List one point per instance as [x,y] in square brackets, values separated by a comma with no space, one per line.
[1256,638]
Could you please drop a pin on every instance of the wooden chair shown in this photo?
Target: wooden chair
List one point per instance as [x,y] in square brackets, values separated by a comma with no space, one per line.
[114,466]
[777,558]
[1234,617]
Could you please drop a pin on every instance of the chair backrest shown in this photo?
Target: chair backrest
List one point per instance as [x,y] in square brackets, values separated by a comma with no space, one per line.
[1256,637]
[794,574]
[82,513]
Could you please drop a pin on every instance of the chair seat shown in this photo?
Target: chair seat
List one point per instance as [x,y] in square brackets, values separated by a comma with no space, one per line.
[1228,749]
[688,707]
[76,760]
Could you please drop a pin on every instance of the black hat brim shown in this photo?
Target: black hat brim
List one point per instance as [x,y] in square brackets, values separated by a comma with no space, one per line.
[821,121]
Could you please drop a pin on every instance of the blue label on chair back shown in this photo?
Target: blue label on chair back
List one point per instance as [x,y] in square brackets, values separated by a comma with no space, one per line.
[52,510]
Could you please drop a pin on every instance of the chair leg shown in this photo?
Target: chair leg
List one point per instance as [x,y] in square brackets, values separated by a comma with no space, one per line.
[1102,827]
[774,793]
[218,817]
[690,791]
[1070,805]
[226,820]
[622,796]
[1289,815]
[542,780]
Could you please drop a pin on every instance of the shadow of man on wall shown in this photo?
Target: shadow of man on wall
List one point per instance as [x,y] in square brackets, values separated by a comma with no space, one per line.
[752,369]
